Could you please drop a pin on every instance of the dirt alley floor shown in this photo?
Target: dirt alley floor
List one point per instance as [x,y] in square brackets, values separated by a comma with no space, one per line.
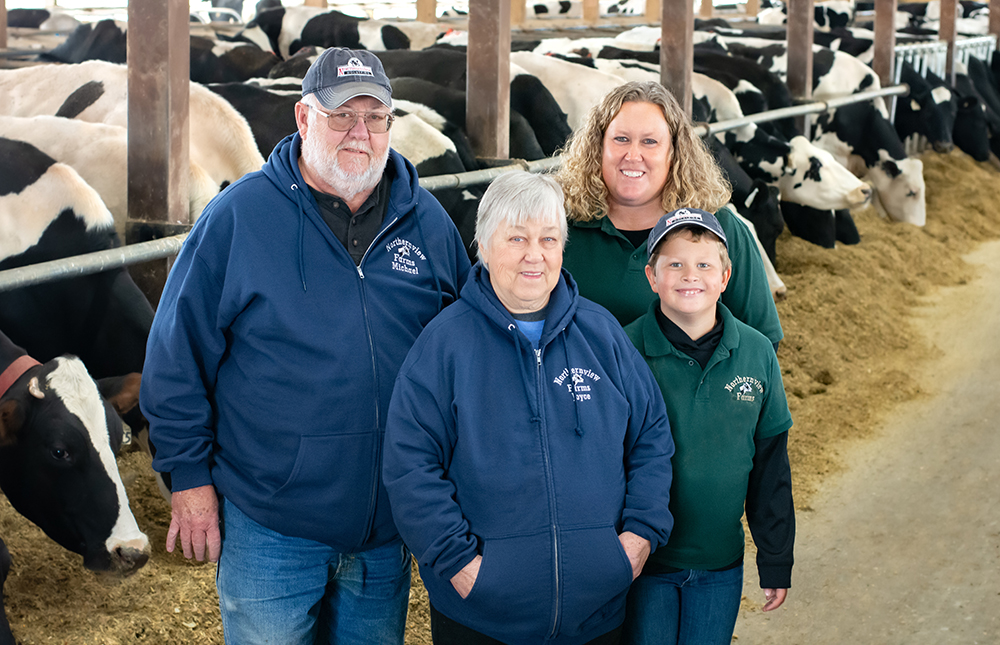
[852,361]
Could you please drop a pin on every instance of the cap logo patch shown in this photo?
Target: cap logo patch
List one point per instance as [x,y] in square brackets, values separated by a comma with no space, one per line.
[684,215]
[354,68]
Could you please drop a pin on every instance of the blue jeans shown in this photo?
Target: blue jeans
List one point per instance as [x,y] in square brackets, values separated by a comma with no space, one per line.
[688,607]
[279,589]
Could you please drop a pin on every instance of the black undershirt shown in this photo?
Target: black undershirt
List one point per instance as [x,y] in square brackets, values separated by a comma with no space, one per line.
[636,237]
[356,231]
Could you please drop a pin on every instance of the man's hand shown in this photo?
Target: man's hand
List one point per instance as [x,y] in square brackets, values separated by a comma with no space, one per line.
[637,549]
[195,518]
[464,579]
[774,598]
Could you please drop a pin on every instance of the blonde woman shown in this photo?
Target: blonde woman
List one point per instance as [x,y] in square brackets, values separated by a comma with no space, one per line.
[635,158]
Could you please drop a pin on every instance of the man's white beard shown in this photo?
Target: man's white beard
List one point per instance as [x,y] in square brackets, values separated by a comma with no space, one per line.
[345,184]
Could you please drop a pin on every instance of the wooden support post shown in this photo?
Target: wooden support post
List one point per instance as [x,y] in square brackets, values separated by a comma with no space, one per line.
[994,28]
[800,55]
[677,49]
[885,41]
[3,24]
[753,8]
[427,10]
[517,13]
[947,31]
[158,132]
[653,11]
[315,3]
[591,12]
[705,11]
[487,105]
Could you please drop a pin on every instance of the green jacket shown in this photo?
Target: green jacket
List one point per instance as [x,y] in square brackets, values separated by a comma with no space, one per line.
[611,272]
[716,415]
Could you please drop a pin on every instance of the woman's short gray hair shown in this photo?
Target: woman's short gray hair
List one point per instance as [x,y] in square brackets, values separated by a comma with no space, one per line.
[517,197]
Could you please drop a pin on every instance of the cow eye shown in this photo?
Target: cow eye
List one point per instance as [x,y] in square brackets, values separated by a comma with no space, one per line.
[59,454]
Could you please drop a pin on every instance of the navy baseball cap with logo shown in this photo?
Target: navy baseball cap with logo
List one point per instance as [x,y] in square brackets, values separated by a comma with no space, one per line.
[340,74]
[684,217]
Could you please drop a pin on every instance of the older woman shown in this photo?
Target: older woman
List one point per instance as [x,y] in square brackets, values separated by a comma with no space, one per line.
[527,451]
[636,158]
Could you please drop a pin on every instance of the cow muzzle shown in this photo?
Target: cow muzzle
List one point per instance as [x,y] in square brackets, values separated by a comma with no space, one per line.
[860,196]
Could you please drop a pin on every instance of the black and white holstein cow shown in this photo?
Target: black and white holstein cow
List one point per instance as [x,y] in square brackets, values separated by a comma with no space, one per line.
[284,30]
[99,153]
[47,212]
[864,140]
[221,141]
[58,439]
[447,67]
[927,111]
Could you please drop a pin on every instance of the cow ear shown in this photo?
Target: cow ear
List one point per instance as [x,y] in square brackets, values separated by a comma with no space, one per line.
[122,392]
[35,389]
[11,421]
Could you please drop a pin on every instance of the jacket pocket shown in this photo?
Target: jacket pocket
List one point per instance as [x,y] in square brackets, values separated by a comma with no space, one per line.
[596,577]
[513,593]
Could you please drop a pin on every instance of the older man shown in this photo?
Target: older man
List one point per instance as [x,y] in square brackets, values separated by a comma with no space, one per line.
[272,358]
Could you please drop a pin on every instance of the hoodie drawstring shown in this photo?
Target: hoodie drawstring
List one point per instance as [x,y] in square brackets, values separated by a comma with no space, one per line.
[576,404]
[302,224]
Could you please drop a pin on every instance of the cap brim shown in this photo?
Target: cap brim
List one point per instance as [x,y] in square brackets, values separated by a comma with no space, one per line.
[332,98]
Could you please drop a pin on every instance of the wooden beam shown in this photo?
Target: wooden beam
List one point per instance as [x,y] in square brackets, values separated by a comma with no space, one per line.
[677,49]
[994,28]
[158,132]
[487,105]
[706,8]
[3,24]
[753,8]
[885,41]
[591,12]
[517,13]
[315,3]
[652,14]
[800,55]
[427,10]
[947,31]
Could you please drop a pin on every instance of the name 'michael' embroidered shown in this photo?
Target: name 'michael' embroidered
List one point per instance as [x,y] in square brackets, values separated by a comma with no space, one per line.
[405,255]
[745,388]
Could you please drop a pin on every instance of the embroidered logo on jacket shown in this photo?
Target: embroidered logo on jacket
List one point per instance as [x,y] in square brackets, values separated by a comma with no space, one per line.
[745,388]
[405,255]
[579,382]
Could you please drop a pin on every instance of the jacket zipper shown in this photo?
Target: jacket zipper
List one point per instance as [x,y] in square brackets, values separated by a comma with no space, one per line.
[548,474]
[371,349]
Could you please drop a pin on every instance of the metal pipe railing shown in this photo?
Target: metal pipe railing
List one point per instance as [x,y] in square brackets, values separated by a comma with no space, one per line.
[168,246]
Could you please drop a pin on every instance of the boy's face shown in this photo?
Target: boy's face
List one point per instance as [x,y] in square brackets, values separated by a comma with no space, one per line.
[688,277]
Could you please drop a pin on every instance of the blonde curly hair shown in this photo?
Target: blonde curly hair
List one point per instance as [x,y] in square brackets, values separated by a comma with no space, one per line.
[694,179]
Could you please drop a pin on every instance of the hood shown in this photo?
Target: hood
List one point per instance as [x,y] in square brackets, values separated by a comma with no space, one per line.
[282,168]
[479,294]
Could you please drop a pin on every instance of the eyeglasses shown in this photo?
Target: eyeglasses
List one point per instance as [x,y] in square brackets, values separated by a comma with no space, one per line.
[344,120]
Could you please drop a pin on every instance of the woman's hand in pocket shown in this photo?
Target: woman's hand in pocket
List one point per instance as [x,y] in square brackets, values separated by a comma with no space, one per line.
[466,578]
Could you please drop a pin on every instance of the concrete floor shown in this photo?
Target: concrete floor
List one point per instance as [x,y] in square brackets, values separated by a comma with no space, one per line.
[904,546]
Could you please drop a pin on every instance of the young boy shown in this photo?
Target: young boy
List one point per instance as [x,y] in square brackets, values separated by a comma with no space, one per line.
[728,414]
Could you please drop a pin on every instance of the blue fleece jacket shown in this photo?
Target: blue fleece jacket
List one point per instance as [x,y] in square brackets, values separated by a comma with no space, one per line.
[534,459]
[272,356]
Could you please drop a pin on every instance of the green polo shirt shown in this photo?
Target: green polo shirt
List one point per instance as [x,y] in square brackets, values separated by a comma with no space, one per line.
[715,416]
[611,272]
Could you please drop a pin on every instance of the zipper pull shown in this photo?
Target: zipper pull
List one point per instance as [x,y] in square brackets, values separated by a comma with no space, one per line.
[538,356]
[361,273]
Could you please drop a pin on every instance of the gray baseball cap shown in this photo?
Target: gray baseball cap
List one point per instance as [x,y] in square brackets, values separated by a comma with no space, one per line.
[684,217]
[340,74]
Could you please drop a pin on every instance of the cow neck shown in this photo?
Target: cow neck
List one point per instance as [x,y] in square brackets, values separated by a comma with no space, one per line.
[15,371]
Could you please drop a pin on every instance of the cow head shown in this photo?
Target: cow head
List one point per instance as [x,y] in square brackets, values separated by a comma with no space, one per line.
[813,178]
[58,438]
[899,187]
[929,111]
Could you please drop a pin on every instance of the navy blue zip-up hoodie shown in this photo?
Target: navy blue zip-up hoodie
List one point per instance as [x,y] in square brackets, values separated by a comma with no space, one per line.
[272,356]
[535,460]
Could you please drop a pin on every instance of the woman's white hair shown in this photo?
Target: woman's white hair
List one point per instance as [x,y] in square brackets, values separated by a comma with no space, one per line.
[517,197]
